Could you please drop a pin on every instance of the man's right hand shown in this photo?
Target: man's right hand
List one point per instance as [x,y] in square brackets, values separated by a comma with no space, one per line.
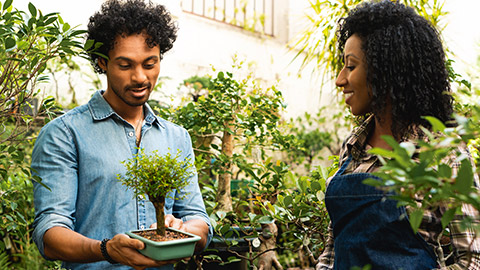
[124,250]
[66,245]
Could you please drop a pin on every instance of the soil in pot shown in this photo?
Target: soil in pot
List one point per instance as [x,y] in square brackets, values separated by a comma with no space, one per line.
[169,235]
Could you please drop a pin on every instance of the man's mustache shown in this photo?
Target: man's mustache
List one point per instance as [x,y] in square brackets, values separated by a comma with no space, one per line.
[138,86]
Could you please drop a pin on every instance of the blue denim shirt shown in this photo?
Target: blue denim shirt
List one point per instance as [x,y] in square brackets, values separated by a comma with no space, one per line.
[78,156]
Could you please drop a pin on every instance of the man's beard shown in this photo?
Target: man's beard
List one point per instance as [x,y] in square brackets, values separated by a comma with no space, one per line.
[140,102]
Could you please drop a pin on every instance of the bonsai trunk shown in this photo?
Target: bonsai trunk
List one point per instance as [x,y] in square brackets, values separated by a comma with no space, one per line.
[159,204]
[224,197]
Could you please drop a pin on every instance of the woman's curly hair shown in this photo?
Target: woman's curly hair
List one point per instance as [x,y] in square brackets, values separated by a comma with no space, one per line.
[130,17]
[405,63]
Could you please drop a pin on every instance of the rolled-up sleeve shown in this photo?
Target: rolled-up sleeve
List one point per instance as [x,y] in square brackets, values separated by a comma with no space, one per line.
[189,203]
[54,161]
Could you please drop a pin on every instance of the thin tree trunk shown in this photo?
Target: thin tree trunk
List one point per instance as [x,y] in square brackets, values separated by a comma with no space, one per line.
[224,197]
[160,215]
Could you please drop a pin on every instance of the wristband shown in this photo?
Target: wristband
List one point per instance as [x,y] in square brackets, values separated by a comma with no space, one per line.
[103,248]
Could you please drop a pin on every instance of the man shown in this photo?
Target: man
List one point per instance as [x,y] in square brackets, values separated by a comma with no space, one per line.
[79,154]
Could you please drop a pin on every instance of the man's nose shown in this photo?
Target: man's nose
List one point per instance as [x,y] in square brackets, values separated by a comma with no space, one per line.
[139,75]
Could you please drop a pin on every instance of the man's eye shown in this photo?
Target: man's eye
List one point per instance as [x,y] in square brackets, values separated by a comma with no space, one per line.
[124,66]
[350,67]
[149,65]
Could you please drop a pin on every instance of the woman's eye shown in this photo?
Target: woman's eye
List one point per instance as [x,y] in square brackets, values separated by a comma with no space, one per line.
[350,67]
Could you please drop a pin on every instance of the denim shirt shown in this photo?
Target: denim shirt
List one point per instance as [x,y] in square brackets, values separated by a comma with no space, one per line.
[78,156]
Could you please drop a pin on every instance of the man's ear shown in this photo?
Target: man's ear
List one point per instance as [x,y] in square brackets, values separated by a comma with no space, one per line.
[102,63]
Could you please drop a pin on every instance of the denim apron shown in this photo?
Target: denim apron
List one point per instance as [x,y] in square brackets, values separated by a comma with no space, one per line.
[369,228]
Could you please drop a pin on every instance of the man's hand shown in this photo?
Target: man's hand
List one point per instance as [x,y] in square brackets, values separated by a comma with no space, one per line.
[194,226]
[172,222]
[123,249]
[66,245]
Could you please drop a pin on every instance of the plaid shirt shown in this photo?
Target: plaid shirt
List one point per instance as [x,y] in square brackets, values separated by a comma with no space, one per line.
[461,240]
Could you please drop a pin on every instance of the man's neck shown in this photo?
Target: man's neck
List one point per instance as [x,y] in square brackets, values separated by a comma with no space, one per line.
[131,114]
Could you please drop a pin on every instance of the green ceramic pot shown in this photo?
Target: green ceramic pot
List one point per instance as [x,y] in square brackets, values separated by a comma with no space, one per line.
[167,250]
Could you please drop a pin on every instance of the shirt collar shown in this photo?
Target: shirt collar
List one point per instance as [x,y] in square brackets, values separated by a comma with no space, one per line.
[100,110]
[356,143]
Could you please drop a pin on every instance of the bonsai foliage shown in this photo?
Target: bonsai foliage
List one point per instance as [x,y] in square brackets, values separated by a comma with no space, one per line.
[238,115]
[421,169]
[296,204]
[315,133]
[156,176]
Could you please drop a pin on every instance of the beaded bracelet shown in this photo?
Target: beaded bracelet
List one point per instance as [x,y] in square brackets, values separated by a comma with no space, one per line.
[103,248]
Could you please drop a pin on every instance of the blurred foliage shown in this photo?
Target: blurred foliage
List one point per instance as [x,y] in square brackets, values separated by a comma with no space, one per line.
[317,43]
[28,42]
[315,133]
[423,169]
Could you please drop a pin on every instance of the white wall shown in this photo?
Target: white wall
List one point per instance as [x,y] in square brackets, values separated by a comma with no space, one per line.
[203,43]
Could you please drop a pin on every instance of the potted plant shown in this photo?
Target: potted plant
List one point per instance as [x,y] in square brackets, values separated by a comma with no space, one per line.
[243,120]
[156,176]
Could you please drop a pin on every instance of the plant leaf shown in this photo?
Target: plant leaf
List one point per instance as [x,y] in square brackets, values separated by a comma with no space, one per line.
[448,216]
[7,4]
[10,43]
[32,9]
[464,179]
[416,219]
[437,125]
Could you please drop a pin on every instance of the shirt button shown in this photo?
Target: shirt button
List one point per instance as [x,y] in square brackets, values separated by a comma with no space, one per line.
[142,227]
[130,134]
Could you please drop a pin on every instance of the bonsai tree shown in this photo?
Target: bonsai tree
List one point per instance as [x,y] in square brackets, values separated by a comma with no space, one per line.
[156,176]
[234,117]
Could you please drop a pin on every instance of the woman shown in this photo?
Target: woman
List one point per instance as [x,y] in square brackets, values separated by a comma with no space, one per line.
[394,73]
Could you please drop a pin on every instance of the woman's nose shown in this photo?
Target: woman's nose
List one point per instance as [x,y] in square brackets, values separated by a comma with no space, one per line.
[341,80]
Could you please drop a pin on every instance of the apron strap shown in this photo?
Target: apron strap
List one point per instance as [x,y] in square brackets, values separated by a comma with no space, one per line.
[344,165]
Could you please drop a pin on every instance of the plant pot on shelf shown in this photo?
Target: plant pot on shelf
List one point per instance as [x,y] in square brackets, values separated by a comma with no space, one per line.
[167,250]
[219,247]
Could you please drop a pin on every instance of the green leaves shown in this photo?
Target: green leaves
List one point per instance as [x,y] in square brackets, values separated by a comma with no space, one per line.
[464,181]
[7,4]
[10,43]
[416,219]
[448,216]
[32,9]
[28,42]
[423,176]
[155,175]
[437,125]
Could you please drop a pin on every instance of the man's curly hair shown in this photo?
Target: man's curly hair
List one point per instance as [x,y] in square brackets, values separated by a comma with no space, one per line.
[405,63]
[130,17]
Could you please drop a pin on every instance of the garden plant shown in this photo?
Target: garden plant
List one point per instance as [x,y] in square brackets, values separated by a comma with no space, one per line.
[243,120]
[156,176]
[29,42]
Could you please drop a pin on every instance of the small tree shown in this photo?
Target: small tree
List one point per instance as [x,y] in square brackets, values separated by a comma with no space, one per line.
[240,115]
[156,176]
